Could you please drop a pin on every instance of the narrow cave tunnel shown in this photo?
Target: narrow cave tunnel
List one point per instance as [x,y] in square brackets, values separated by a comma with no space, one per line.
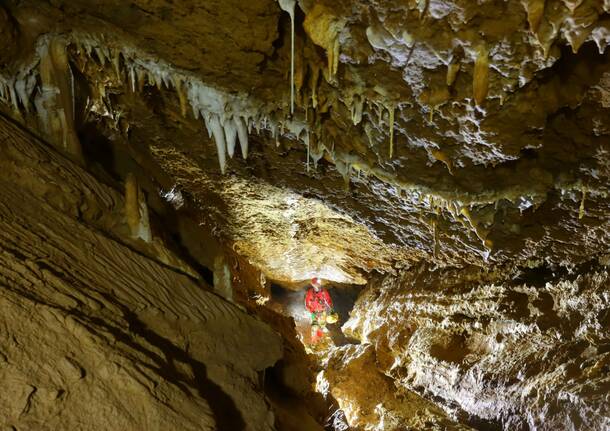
[292,303]
[174,174]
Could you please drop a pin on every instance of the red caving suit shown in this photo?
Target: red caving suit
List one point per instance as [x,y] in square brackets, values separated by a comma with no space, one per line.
[317,302]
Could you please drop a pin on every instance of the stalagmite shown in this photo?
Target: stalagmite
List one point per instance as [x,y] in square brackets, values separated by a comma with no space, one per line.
[145,232]
[132,212]
[136,210]
[480,81]
[436,238]
[222,278]
[274,130]
[288,6]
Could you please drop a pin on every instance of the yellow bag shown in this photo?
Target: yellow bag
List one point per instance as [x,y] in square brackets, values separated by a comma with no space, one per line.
[332,318]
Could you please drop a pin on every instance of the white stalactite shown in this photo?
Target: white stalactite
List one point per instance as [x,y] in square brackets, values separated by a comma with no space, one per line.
[242,133]
[230,136]
[289,6]
[219,137]
[228,116]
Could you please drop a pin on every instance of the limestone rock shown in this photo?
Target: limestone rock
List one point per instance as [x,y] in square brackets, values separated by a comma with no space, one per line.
[371,401]
[98,336]
[451,155]
[522,354]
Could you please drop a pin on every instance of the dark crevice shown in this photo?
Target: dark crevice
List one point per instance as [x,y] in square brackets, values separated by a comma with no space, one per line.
[99,152]
[543,274]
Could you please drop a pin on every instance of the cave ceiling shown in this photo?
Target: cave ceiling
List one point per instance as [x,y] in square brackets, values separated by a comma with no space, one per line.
[457,132]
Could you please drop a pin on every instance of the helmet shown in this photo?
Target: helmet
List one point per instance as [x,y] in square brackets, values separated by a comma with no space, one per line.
[316,281]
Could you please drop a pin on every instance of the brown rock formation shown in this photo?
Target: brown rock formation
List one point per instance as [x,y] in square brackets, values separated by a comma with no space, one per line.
[165,160]
[97,336]
[370,399]
[524,353]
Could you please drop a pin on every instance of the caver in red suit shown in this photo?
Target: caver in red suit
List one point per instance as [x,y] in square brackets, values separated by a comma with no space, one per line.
[317,299]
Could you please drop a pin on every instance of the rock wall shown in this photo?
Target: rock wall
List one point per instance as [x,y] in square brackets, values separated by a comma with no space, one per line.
[337,138]
[97,335]
[370,400]
[531,351]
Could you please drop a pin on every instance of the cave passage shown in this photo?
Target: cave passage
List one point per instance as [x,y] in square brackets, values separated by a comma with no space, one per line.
[292,303]
[164,204]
